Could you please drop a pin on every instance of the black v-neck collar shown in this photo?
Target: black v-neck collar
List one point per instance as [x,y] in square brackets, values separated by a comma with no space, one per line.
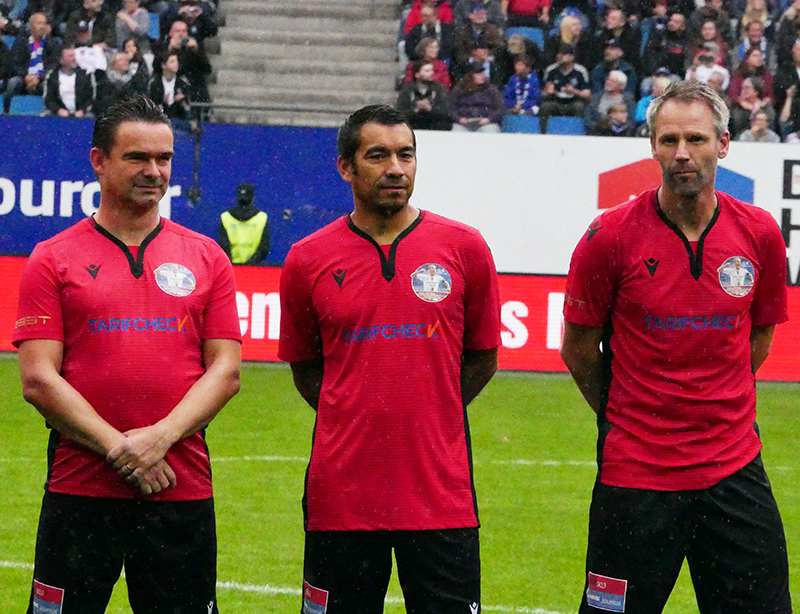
[388,268]
[695,257]
[136,264]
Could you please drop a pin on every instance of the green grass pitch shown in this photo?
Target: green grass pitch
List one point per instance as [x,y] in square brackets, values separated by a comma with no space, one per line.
[533,445]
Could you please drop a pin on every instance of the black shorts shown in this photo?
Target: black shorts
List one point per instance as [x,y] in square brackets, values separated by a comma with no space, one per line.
[168,549]
[347,572]
[731,535]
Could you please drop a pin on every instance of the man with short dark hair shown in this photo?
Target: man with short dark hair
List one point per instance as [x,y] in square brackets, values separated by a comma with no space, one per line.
[566,89]
[431,27]
[670,307]
[129,346]
[386,293]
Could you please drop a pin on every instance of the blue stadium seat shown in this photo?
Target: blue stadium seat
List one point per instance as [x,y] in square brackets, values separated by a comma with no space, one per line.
[154,32]
[566,125]
[27,105]
[534,34]
[9,41]
[521,123]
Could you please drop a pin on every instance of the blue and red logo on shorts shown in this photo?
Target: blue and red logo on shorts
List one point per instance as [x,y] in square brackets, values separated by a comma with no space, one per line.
[606,593]
[315,600]
[47,599]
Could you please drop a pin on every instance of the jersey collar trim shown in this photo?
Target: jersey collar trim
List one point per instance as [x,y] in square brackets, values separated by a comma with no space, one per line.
[695,257]
[137,264]
[387,264]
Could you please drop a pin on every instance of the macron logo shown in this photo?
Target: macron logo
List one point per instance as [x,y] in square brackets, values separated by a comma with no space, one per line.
[93,270]
[339,276]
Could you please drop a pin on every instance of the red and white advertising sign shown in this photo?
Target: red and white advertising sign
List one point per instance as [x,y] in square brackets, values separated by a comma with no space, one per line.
[531,320]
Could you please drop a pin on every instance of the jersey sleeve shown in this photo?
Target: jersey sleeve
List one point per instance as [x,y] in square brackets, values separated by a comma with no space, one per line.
[592,278]
[770,302]
[481,300]
[39,314]
[300,338]
[221,317]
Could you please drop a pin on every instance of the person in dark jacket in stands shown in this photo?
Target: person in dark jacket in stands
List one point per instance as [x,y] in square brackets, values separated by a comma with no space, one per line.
[68,90]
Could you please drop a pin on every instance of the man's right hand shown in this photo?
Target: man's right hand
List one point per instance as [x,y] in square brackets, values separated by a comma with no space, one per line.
[155,479]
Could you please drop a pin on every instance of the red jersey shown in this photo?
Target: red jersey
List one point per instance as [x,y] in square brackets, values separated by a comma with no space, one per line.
[681,403]
[132,328]
[527,7]
[391,443]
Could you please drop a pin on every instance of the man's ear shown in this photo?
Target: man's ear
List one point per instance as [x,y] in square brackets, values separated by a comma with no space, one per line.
[346,169]
[97,159]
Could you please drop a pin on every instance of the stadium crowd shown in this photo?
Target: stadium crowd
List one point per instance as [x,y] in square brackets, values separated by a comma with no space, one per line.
[80,56]
[466,64]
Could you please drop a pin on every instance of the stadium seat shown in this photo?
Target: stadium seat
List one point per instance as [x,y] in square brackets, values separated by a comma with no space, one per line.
[534,34]
[27,105]
[9,41]
[566,125]
[521,123]
[154,32]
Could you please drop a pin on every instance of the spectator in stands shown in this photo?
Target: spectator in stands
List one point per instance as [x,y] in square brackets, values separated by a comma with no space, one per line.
[493,12]
[476,104]
[4,57]
[118,81]
[571,33]
[13,11]
[424,101]
[169,89]
[193,61]
[614,92]
[715,82]
[94,22]
[738,8]
[653,21]
[482,57]
[788,31]
[523,93]
[518,45]
[7,25]
[660,83]
[566,87]
[753,38]
[431,27]
[585,10]
[199,23]
[668,47]
[526,13]
[709,35]
[444,13]
[757,11]
[133,20]
[759,131]
[136,59]
[428,50]
[712,11]
[628,37]
[750,101]
[616,122]
[613,60]
[752,66]
[706,63]
[68,90]
[477,30]
[33,55]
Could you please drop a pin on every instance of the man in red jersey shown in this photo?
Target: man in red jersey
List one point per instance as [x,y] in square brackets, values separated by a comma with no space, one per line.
[129,345]
[673,385]
[390,467]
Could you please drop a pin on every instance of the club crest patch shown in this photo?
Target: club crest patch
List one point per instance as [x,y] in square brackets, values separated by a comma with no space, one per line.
[606,593]
[315,600]
[47,599]
[737,276]
[175,279]
[431,282]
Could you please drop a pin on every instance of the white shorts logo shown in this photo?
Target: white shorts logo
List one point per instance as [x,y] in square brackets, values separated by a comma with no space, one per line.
[175,279]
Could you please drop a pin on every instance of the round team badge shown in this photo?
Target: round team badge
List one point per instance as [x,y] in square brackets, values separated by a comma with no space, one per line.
[431,282]
[737,276]
[175,279]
